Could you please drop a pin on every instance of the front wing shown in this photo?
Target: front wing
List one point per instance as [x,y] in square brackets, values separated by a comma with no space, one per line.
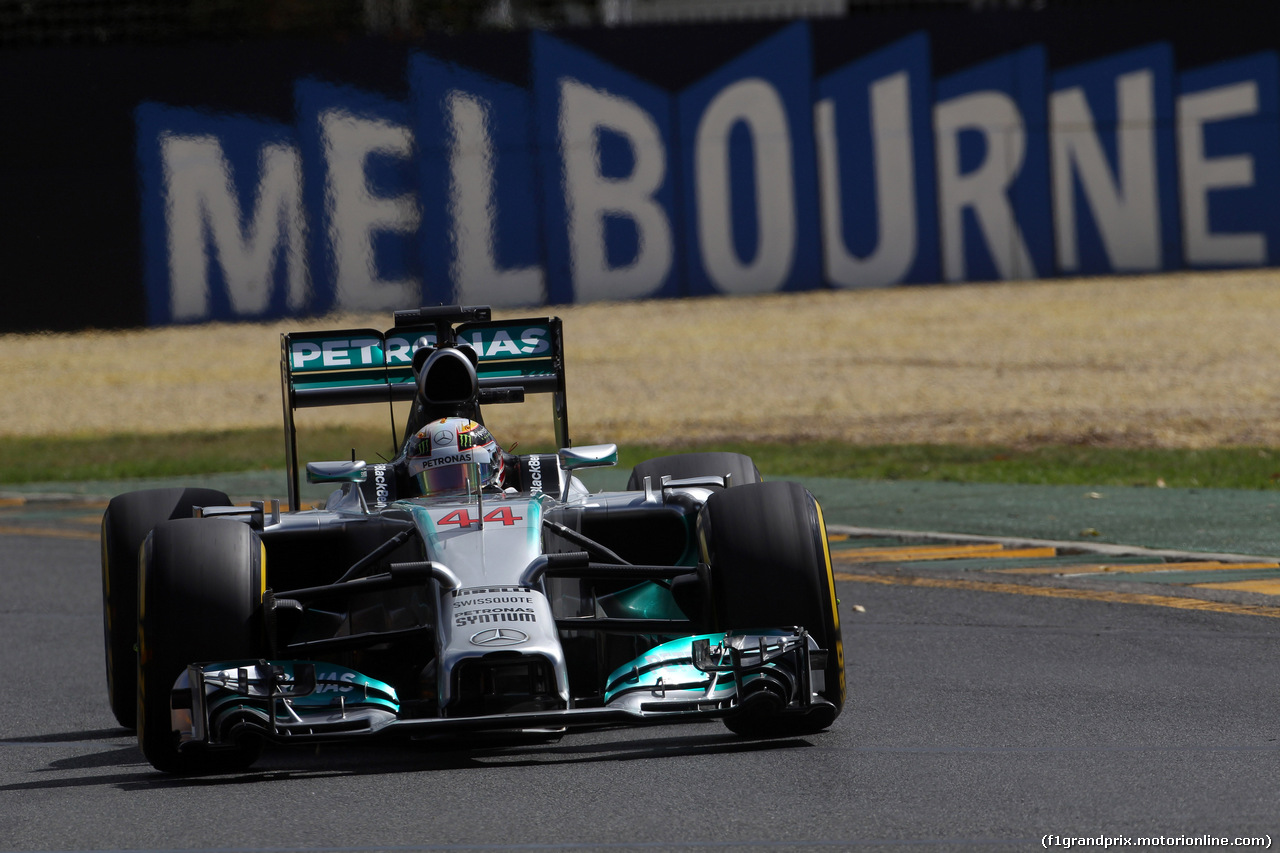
[694,678]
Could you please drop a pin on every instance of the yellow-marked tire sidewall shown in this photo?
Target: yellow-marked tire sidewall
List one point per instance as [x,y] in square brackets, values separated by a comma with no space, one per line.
[125,524]
[835,668]
[201,590]
[771,567]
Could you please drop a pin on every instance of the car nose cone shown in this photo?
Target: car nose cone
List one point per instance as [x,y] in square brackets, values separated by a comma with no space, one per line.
[499,637]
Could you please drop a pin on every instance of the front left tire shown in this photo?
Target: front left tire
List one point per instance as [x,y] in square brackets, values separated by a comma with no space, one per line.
[770,567]
[718,463]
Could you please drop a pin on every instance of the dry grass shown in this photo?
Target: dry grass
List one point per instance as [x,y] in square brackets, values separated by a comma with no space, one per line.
[1187,360]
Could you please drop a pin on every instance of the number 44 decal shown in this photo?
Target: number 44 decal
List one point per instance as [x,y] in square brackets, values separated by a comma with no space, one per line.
[463,518]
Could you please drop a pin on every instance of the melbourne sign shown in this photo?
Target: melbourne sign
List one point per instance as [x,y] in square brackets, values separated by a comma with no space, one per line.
[588,182]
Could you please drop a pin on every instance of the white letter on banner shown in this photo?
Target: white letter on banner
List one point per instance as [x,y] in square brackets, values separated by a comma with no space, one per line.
[1126,210]
[1201,174]
[996,117]
[355,213]
[205,220]
[476,276]
[369,356]
[301,352]
[895,190]
[590,196]
[757,104]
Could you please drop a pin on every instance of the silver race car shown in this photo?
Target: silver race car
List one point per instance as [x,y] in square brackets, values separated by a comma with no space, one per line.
[458,588]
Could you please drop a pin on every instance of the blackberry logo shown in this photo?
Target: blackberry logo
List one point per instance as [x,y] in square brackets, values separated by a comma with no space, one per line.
[380,488]
[535,475]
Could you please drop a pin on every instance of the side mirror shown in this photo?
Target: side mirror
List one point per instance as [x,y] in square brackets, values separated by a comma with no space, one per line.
[336,472]
[589,456]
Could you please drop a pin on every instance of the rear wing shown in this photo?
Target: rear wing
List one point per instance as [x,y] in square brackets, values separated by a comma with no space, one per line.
[348,366]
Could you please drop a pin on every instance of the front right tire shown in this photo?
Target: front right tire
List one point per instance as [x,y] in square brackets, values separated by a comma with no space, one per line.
[202,584]
[125,524]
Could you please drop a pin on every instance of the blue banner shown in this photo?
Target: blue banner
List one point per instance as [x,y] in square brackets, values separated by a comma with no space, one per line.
[480,198]
[606,140]
[749,174]
[595,172]
[223,225]
[1114,164]
[1228,135]
[993,170]
[362,205]
[874,127]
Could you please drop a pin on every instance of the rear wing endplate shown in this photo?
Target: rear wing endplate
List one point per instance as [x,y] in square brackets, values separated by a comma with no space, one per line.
[348,366]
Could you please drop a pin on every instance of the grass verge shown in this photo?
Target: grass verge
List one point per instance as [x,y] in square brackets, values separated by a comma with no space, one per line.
[26,460]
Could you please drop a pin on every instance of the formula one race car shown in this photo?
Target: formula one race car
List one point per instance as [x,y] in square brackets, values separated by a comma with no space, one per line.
[458,588]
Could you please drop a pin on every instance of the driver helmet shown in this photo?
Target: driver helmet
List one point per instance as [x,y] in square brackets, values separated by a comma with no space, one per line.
[454,456]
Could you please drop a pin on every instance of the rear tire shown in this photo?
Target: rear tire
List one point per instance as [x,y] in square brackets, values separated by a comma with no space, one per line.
[202,585]
[770,565]
[126,522]
[684,465]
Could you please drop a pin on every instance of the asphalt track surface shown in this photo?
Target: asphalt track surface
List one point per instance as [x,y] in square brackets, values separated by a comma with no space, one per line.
[978,720]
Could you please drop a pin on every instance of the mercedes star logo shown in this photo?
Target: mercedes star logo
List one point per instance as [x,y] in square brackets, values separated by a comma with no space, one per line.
[499,637]
[444,437]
